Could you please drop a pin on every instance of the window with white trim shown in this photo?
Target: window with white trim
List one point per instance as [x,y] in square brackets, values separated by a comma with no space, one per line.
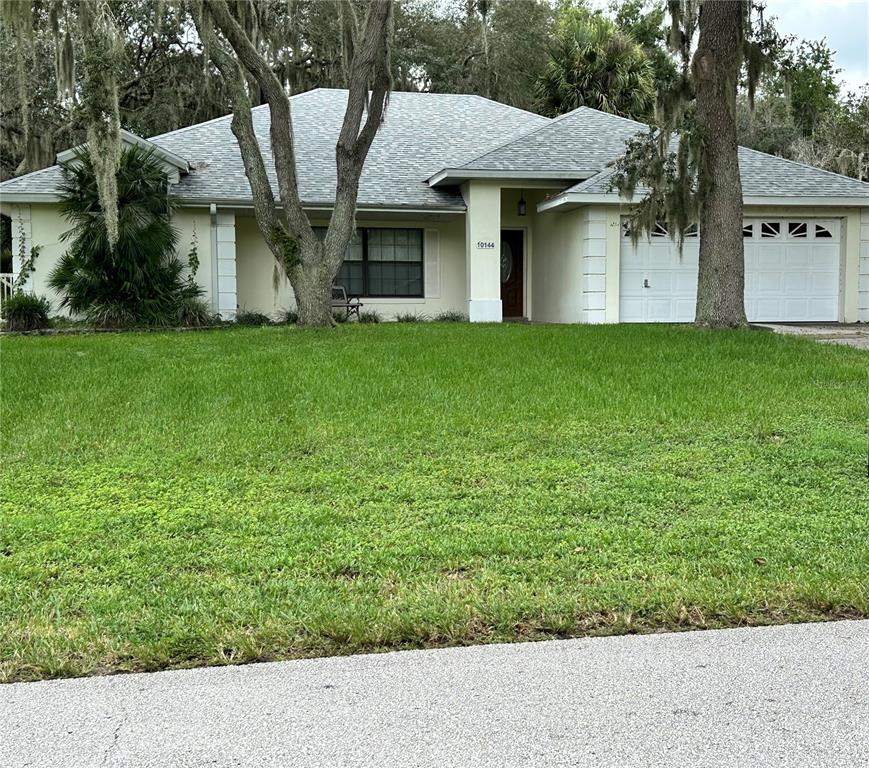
[382,263]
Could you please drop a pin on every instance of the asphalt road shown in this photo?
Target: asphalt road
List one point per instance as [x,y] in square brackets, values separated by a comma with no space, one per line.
[777,696]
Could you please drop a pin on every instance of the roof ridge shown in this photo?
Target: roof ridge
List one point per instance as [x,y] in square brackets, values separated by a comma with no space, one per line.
[491,101]
[805,165]
[639,123]
[552,121]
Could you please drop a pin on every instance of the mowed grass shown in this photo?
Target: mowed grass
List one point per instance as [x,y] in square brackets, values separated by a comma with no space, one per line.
[176,499]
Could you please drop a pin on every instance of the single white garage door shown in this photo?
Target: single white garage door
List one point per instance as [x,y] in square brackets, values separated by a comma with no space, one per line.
[791,273]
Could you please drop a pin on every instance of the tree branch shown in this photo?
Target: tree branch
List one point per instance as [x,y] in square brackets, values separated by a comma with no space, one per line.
[242,126]
[281,122]
[370,68]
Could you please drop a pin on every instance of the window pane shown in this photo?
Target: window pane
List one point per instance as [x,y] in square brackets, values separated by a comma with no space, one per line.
[414,244]
[350,276]
[748,230]
[394,262]
[797,229]
[354,247]
[770,229]
[822,231]
[395,245]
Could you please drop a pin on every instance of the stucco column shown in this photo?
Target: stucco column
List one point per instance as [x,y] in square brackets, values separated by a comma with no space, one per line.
[483,251]
[224,291]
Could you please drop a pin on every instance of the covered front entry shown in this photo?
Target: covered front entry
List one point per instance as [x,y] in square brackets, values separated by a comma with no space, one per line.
[512,273]
[791,273]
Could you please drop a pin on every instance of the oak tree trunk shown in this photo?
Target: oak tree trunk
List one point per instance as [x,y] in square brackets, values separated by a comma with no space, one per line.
[716,65]
[310,265]
[312,288]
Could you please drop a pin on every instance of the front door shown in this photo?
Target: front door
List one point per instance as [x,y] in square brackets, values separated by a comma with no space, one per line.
[512,262]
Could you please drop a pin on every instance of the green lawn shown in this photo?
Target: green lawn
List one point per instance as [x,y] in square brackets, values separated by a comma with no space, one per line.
[173,499]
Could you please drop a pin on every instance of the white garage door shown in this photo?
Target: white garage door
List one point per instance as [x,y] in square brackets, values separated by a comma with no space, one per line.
[791,273]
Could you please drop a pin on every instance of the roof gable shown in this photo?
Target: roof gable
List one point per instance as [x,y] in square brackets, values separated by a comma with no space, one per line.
[582,141]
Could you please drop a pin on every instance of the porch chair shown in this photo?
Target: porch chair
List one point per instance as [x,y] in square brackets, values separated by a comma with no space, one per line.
[341,303]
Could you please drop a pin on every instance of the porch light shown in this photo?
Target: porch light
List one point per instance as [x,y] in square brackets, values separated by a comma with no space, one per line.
[523,207]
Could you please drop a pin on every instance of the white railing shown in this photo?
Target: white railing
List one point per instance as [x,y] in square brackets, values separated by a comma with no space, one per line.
[7,286]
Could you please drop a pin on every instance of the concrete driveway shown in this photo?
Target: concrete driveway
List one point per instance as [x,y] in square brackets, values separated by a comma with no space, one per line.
[850,335]
[779,696]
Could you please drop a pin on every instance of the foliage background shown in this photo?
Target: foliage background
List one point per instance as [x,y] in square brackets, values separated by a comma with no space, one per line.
[496,48]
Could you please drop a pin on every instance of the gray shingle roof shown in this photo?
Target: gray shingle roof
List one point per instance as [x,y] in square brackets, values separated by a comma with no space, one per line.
[762,176]
[581,141]
[588,140]
[422,132]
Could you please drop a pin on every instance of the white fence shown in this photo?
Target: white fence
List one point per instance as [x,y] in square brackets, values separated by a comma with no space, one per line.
[7,283]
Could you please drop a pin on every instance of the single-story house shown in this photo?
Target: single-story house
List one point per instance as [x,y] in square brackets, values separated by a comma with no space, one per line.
[469,205]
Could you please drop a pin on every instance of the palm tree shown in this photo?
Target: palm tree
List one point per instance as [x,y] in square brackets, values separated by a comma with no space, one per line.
[593,64]
[140,280]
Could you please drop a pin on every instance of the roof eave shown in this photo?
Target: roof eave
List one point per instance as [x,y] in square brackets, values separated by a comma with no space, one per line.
[571,200]
[131,138]
[29,197]
[454,176]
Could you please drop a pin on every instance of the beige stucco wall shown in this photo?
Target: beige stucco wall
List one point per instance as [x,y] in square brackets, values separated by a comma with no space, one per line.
[556,274]
[483,238]
[443,260]
[186,221]
[572,257]
[43,226]
[46,228]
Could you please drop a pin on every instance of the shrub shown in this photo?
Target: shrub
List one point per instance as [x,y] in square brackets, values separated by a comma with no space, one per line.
[194,311]
[370,316]
[410,317]
[252,318]
[289,317]
[141,280]
[111,314]
[340,317]
[26,312]
[451,316]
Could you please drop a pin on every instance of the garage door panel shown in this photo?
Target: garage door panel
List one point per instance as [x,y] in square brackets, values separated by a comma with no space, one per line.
[768,282]
[796,282]
[823,282]
[791,277]
[823,309]
[825,257]
[660,310]
[799,257]
[631,283]
[685,309]
[631,310]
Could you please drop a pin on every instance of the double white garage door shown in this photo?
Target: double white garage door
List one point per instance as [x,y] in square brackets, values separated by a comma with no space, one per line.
[791,273]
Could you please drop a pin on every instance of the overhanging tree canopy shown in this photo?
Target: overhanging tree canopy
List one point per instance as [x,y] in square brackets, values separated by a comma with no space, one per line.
[688,166]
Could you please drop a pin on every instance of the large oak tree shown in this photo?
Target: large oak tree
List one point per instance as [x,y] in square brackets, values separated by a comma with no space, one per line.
[698,180]
[309,262]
